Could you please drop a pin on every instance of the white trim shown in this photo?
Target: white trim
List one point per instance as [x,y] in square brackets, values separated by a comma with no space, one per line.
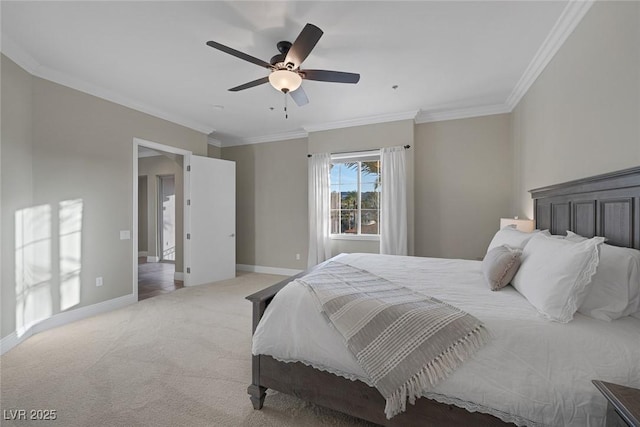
[295,134]
[142,254]
[160,147]
[178,275]
[355,155]
[153,259]
[26,61]
[371,237]
[142,155]
[11,340]
[267,270]
[461,113]
[571,16]
[380,118]
[19,55]
[213,141]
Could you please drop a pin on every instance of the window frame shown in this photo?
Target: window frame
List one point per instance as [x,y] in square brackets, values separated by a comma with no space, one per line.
[359,157]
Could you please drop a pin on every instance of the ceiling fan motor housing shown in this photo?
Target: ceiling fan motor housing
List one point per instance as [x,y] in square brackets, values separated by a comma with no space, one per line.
[283,47]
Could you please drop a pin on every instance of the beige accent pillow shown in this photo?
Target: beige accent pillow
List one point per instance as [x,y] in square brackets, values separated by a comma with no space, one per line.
[499,266]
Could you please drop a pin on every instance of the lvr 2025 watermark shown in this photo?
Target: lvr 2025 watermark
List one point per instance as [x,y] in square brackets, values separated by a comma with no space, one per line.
[29,414]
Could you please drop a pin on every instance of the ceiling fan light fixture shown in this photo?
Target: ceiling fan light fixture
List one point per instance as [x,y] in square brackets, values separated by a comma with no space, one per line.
[285,80]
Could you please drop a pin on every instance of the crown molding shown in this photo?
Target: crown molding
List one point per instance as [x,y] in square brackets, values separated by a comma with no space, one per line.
[571,16]
[380,118]
[461,113]
[213,141]
[11,50]
[267,138]
[33,67]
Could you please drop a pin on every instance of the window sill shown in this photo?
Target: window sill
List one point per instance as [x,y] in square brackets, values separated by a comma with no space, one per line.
[372,237]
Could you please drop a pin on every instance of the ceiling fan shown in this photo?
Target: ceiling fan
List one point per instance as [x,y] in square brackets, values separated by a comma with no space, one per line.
[286,75]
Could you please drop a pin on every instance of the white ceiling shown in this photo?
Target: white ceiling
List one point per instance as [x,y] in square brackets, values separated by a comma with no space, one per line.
[445,57]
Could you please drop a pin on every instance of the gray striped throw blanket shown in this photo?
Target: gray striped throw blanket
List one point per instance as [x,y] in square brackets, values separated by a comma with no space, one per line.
[405,342]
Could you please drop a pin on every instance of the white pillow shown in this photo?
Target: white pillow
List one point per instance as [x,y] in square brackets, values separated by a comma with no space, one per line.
[509,236]
[573,237]
[615,288]
[555,273]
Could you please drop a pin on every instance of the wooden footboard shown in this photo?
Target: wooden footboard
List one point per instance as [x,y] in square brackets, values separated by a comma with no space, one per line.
[350,397]
[260,301]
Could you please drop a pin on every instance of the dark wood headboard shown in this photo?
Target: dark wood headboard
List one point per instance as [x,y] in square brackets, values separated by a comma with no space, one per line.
[605,205]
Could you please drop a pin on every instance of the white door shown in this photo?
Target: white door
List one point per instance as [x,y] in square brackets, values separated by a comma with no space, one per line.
[211,207]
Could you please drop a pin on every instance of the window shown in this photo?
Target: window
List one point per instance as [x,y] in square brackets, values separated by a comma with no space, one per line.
[355,194]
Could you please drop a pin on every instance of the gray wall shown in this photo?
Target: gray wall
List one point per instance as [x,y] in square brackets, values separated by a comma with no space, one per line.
[271,203]
[582,116]
[463,185]
[82,149]
[213,151]
[17,183]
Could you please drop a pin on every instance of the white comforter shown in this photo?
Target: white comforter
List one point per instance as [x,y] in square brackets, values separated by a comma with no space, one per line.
[533,372]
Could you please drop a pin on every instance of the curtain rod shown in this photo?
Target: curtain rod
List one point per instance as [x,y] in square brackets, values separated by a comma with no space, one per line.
[364,151]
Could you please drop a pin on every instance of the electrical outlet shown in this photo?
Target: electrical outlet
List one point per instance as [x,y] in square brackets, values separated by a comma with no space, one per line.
[98,281]
[298,257]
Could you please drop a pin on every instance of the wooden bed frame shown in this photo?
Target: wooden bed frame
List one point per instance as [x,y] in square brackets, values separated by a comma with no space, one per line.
[605,205]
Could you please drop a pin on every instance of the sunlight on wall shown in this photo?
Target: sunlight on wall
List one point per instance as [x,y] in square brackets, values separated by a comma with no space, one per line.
[33,266]
[168,228]
[36,272]
[70,252]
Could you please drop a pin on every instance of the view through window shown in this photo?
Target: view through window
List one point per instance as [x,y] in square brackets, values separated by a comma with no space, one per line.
[355,195]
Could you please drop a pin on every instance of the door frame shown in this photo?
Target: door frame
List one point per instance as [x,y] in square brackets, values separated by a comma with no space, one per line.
[186,159]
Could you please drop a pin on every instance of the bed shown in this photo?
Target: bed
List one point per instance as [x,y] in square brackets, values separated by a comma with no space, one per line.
[312,369]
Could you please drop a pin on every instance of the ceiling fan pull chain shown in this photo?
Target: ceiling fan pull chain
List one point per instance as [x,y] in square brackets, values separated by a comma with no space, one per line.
[286,115]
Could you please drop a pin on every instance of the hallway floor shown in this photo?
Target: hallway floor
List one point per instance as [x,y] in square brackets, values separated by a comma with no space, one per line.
[156,278]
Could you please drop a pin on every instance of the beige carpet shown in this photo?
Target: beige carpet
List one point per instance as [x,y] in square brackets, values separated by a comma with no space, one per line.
[180,359]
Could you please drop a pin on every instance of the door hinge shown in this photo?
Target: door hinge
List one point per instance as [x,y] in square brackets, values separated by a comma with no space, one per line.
[188,270]
[188,236]
[188,168]
[188,202]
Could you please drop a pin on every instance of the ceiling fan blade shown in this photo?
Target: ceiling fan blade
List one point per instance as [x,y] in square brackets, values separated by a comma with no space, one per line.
[238,54]
[304,44]
[258,82]
[330,76]
[299,96]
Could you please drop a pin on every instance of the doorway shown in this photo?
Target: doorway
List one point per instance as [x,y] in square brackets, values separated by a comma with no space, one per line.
[204,253]
[167,218]
[160,193]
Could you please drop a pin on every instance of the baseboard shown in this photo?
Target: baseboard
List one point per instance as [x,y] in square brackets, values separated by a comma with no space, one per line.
[11,340]
[153,259]
[143,253]
[268,270]
[178,275]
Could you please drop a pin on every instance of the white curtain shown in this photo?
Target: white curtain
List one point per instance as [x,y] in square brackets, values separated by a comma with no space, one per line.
[393,201]
[319,209]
